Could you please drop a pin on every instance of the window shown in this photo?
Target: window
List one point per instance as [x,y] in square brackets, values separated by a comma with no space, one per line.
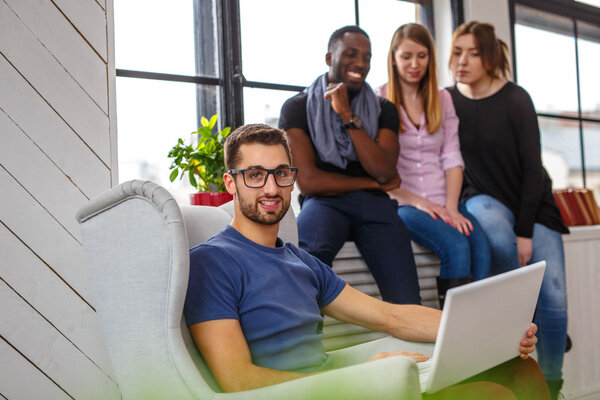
[287,45]
[557,56]
[179,61]
[168,70]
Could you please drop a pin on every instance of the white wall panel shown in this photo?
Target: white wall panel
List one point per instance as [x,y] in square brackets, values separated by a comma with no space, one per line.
[39,67]
[26,273]
[71,50]
[27,219]
[50,351]
[582,364]
[39,176]
[57,150]
[49,131]
[22,380]
[89,17]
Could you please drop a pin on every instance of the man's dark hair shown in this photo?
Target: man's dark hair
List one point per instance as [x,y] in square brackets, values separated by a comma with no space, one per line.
[249,134]
[339,34]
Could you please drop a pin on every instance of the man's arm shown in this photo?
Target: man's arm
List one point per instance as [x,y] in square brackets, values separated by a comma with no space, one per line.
[405,321]
[313,181]
[379,157]
[225,350]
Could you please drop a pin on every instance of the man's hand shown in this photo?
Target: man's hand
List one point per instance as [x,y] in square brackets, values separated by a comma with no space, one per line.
[525,249]
[337,93]
[528,342]
[418,357]
[392,184]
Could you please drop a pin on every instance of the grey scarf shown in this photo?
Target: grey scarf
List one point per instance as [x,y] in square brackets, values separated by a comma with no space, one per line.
[331,140]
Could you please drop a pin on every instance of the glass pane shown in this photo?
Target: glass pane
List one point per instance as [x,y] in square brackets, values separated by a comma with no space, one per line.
[151,116]
[561,151]
[589,62]
[264,105]
[546,69]
[285,42]
[154,35]
[591,140]
[380,18]
[594,3]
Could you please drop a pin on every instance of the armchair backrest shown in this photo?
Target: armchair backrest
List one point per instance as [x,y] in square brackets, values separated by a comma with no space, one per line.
[137,253]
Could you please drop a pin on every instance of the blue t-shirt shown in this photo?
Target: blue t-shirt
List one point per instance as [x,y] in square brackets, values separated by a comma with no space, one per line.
[275,293]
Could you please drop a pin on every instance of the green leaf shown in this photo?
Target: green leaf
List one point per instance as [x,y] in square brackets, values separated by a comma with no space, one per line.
[204,121]
[213,121]
[173,175]
[193,180]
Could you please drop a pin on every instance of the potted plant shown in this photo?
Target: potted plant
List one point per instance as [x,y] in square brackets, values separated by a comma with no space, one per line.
[203,163]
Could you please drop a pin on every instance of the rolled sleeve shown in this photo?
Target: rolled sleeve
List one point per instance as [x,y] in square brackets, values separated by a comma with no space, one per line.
[450,155]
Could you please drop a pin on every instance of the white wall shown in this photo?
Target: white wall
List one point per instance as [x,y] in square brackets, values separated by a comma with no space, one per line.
[57,150]
[442,19]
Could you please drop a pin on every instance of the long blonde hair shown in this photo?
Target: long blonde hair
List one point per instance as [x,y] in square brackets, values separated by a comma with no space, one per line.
[493,51]
[428,86]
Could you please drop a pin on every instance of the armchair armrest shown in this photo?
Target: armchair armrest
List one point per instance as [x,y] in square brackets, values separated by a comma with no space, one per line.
[389,378]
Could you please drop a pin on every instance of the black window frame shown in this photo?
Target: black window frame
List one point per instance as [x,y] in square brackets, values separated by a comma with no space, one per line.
[231,80]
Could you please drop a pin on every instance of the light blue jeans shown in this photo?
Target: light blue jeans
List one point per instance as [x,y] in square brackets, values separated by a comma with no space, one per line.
[460,255]
[497,222]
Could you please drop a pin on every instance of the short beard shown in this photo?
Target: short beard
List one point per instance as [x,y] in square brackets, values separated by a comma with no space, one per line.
[251,211]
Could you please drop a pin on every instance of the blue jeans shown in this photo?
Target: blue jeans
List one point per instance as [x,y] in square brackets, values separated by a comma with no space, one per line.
[460,255]
[326,223]
[497,222]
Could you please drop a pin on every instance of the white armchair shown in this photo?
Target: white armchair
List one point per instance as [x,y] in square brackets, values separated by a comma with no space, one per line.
[136,241]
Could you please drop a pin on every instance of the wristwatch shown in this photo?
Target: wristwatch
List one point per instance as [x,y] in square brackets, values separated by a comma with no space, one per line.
[354,123]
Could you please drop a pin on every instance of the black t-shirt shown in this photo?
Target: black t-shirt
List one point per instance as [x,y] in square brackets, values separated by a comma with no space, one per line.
[500,144]
[293,115]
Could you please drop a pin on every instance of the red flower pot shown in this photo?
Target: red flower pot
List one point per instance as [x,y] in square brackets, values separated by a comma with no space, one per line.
[210,198]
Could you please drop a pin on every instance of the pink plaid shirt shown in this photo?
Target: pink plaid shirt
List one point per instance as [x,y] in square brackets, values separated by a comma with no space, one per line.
[423,157]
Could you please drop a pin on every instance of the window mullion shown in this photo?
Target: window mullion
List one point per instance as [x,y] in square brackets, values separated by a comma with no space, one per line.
[581,144]
[231,62]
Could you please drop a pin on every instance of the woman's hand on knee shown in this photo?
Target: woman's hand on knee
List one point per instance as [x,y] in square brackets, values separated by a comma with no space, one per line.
[525,248]
[433,209]
[462,224]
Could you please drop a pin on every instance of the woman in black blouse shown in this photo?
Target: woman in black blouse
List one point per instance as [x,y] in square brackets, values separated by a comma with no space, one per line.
[506,187]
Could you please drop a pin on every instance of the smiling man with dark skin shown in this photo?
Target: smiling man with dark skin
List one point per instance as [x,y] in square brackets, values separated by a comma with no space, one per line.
[344,139]
[254,303]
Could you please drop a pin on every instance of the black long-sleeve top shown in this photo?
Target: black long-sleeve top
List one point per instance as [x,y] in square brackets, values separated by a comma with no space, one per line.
[500,144]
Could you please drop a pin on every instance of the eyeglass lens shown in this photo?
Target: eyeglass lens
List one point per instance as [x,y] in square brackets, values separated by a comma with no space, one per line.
[257,177]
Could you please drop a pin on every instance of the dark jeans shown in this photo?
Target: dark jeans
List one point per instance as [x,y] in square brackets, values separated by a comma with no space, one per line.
[370,219]
[516,378]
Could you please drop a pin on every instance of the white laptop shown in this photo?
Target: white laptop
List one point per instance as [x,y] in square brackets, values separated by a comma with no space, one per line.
[482,325]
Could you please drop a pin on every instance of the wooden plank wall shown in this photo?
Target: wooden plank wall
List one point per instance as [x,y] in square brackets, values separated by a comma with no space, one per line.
[57,150]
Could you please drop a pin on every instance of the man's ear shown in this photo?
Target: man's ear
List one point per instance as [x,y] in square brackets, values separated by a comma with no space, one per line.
[328,58]
[229,183]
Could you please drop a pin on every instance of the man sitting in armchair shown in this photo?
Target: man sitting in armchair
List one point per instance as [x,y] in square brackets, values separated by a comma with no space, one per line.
[254,303]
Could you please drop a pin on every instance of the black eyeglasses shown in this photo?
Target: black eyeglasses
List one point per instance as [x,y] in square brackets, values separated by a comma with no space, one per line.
[257,177]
